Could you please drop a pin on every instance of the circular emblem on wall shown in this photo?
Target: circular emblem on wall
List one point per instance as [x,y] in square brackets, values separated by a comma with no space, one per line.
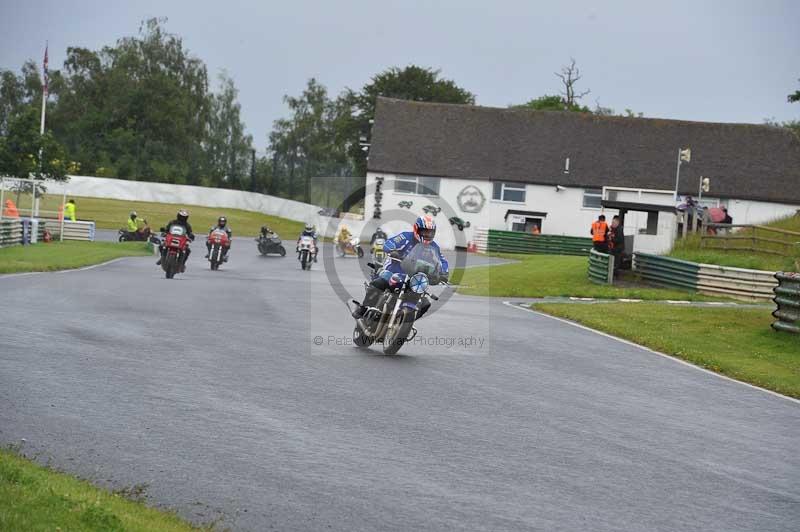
[470,199]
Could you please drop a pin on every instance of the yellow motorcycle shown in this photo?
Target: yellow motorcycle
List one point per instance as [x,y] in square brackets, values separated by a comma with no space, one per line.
[378,254]
[349,245]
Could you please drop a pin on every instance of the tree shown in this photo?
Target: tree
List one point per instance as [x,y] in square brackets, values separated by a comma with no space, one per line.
[228,149]
[569,76]
[309,143]
[410,83]
[138,109]
[553,103]
[795,96]
[25,153]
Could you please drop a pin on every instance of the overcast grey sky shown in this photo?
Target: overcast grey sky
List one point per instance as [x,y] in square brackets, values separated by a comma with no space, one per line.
[727,61]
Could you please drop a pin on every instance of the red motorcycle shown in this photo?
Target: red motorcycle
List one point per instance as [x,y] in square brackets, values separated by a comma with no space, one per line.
[219,241]
[176,244]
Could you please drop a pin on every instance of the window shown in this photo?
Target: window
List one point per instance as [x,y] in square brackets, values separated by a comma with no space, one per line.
[508,191]
[426,186]
[592,198]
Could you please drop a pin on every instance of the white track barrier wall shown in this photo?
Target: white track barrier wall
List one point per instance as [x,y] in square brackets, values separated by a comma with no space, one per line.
[122,189]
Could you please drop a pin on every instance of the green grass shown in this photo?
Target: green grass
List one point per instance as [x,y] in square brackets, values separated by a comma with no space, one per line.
[736,342]
[113,214]
[53,256]
[36,498]
[689,249]
[551,276]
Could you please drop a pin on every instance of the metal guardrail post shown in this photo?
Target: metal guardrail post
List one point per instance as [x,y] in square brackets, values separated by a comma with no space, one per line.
[787,301]
[601,267]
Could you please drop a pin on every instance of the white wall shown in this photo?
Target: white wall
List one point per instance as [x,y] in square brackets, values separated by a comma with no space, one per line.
[565,212]
[122,189]
[758,212]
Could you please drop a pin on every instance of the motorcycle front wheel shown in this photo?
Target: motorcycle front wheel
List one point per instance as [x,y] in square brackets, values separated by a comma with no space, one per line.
[170,266]
[360,252]
[282,251]
[399,332]
[360,339]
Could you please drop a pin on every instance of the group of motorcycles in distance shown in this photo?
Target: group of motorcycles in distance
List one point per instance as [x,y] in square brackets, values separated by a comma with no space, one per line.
[390,322]
[176,243]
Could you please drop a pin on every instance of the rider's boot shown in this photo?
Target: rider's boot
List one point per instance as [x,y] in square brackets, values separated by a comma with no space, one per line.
[370,298]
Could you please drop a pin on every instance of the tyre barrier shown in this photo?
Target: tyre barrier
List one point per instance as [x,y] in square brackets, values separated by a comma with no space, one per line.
[709,279]
[601,267]
[787,300]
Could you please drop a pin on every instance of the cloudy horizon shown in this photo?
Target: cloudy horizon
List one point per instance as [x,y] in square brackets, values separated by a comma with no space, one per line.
[712,61]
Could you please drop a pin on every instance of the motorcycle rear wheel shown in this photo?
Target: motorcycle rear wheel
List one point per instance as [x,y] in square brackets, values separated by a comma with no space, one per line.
[360,252]
[399,333]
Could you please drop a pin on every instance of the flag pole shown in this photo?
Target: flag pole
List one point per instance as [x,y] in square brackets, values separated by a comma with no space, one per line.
[45,83]
[44,88]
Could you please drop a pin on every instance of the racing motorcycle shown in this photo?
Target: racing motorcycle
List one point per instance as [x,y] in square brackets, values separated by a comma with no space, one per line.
[351,246]
[270,244]
[219,240]
[142,235]
[176,242]
[391,320]
[378,254]
[306,251]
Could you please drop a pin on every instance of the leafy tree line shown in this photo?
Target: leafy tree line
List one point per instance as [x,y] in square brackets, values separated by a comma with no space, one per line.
[143,109]
[140,109]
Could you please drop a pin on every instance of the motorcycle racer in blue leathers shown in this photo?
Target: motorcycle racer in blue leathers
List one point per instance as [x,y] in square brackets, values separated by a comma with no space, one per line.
[397,247]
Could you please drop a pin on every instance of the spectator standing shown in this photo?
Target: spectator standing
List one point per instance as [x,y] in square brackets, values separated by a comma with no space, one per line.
[599,234]
[728,219]
[616,242]
[69,211]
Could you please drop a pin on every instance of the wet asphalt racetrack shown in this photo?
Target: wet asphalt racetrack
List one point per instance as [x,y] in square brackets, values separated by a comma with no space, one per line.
[236,395]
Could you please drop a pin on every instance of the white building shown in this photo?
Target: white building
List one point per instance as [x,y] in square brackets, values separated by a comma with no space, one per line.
[515,169]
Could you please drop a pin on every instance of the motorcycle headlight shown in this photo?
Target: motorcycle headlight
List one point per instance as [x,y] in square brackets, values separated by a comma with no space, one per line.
[419,283]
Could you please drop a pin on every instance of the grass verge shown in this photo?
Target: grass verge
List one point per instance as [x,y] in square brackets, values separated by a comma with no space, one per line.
[65,255]
[551,276]
[689,249]
[33,497]
[736,342]
[113,214]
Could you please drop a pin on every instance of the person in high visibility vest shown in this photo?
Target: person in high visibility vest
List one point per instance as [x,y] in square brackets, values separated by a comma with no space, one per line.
[599,234]
[69,210]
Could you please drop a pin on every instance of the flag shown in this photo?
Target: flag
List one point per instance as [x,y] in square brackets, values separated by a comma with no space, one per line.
[46,72]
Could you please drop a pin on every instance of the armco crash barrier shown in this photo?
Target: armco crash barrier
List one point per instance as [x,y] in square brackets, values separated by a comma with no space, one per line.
[72,230]
[601,267]
[517,242]
[787,299]
[710,279]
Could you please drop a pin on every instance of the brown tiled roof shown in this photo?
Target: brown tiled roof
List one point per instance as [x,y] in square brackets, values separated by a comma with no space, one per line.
[744,161]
